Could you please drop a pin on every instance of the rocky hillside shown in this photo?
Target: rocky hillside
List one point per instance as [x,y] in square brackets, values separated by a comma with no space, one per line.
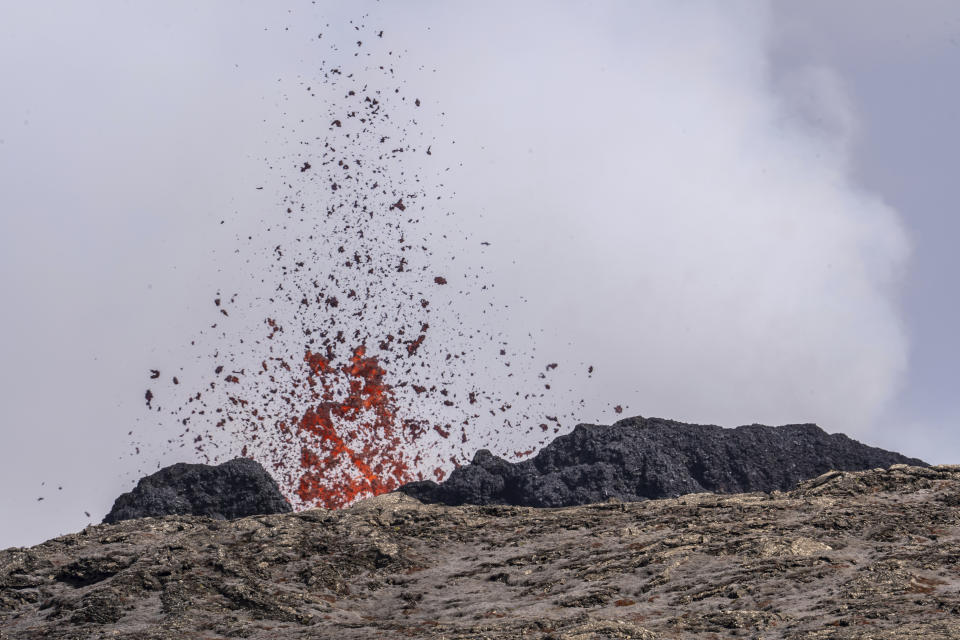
[646,458]
[873,554]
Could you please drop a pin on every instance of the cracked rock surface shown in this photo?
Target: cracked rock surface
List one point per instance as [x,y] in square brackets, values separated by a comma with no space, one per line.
[872,554]
[646,458]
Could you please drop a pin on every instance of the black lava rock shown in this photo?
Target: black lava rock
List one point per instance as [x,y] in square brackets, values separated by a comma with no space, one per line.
[646,458]
[234,489]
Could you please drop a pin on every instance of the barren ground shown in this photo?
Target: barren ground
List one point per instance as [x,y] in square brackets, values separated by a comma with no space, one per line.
[872,554]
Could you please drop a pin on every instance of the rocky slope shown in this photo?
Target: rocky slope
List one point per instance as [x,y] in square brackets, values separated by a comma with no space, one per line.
[873,554]
[643,458]
[234,489]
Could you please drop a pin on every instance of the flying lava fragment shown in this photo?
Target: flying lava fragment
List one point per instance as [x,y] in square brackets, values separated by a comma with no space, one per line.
[352,386]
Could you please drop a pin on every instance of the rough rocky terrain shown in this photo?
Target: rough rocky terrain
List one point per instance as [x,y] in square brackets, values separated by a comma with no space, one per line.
[643,458]
[873,554]
[234,489]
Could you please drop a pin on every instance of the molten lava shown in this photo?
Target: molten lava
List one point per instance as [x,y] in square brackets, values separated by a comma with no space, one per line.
[348,266]
[335,471]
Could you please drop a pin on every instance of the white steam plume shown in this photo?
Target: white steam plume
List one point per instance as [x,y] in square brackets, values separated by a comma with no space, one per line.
[671,211]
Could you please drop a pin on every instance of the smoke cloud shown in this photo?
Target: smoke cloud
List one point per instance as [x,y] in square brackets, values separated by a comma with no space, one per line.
[663,206]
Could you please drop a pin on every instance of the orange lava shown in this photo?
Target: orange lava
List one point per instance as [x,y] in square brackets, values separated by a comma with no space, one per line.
[334,473]
[374,402]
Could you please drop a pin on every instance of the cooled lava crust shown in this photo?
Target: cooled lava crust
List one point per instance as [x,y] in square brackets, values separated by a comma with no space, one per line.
[648,458]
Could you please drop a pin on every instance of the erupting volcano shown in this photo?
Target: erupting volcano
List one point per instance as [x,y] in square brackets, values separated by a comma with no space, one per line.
[357,385]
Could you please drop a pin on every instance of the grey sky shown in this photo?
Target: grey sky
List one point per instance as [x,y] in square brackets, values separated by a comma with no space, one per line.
[737,212]
[895,59]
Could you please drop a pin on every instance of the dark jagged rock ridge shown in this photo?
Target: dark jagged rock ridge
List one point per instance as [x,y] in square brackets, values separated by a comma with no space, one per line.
[648,458]
[234,489]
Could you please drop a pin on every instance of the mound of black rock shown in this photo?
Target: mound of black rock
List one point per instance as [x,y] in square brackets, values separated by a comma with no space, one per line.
[647,458]
[234,489]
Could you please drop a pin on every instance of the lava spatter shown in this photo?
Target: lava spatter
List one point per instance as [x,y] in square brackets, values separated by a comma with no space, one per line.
[356,385]
[369,459]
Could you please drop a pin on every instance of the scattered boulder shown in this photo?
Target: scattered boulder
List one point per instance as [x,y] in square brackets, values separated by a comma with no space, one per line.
[648,458]
[234,489]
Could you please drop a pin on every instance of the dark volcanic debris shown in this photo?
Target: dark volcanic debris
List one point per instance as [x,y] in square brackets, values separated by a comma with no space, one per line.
[323,395]
[234,489]
[643,458]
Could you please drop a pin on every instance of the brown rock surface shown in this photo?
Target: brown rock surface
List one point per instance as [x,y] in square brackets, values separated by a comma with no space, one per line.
[872,554]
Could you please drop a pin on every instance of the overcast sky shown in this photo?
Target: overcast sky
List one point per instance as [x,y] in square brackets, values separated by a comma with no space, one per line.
[739,212]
